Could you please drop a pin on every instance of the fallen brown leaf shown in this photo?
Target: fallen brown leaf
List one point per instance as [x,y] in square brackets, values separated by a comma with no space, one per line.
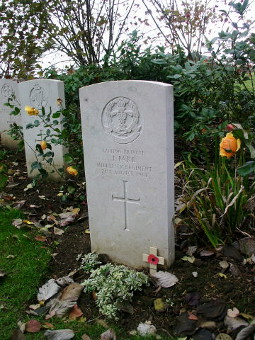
[108,335]
[58,231]
[71,292]
[17,222]
[192,316]
[40,238]
[75,313]
[48,325]
[85,337]
[33,326]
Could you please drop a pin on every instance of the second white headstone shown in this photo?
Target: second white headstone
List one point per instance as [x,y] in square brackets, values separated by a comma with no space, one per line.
[9,94]
[41,94]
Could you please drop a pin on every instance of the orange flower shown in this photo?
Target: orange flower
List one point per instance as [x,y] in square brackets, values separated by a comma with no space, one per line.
[43,145]
[229,145]
[72,171]
[31,111]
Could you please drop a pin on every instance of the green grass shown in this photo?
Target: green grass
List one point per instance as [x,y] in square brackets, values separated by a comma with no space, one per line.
[3,180]
[25,263]
[3,170]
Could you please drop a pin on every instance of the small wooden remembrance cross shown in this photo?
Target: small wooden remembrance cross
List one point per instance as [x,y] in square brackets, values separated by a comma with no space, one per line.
[153,259]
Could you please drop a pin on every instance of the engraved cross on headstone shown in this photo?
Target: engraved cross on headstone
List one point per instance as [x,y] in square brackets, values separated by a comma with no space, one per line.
[125,199]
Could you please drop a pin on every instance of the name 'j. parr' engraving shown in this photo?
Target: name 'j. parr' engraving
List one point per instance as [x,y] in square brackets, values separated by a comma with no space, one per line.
[121,120]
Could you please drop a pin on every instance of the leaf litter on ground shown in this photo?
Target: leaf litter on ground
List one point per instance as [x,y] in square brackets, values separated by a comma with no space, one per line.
[164,279]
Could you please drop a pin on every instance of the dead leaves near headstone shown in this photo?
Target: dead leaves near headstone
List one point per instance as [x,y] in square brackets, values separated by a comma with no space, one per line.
[193,299]
[85,337]
[48,325]
[68,216]
[190,259]
[247,246]
[41,238]
[61,334]
[75,313]
[71,292]
[66,300]
[234,323]
[146,328]
[17,223]
[185,326]
[2,274]
[108,335]
[164,279]
[48,290]
[223,336]
[160,305]
[245,332]
[214,310]
[233,312]
[33,326]
[203,334]
[232,252]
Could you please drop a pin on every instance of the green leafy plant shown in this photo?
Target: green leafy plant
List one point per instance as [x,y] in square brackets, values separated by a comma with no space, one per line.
[215,202]
[89,262]
[112,284]
[247,138]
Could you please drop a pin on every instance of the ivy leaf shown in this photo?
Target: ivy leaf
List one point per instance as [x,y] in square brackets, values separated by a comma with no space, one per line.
[247,168]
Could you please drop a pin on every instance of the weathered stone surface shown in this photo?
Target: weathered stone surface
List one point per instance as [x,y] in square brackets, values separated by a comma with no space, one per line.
[128,149]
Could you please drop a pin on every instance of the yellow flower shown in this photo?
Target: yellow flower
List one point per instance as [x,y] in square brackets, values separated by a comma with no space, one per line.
[43,145]
[31,111]
[72,171]
[229,145]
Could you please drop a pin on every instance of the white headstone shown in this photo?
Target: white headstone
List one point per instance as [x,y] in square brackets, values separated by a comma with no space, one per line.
[8,93]
[41,94]
[127,129]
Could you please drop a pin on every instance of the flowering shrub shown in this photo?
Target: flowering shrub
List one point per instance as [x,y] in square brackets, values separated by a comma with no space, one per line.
[113,284]
[50,123]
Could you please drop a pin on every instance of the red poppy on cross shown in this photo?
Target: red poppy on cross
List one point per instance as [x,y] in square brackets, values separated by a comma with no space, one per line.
[153,259]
